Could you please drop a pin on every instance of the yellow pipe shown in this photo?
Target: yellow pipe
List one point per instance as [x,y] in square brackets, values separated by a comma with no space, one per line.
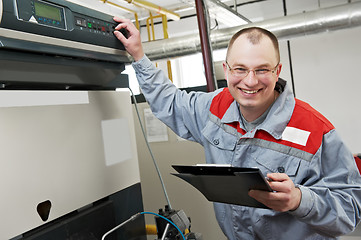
[151,229]
[169,68]
[151,24]
[165,35]
[165,26]
[153,7]
[148,31]
[125,9]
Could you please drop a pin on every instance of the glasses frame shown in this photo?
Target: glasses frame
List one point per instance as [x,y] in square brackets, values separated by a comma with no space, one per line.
[272,70]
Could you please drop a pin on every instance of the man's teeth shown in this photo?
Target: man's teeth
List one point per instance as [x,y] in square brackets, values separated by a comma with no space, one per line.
[249,92]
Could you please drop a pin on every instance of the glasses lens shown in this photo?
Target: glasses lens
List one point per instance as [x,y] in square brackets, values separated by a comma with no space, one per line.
[239,73]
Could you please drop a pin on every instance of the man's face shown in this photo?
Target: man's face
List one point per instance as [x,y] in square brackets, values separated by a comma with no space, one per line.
[254,93]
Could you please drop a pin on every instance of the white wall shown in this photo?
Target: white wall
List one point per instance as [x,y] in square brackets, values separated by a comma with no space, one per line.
[181,194]
[326,72]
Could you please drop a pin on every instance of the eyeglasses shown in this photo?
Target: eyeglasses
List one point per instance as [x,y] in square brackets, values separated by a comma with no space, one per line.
[262,73]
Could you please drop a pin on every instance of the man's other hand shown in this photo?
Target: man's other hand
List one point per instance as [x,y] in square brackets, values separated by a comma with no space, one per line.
[286,197]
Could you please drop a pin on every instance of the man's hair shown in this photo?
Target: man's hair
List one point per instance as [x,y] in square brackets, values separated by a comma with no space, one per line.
[254,35]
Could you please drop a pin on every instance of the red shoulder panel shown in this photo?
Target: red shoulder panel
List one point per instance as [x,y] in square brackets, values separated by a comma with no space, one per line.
[221,103]
[304,118]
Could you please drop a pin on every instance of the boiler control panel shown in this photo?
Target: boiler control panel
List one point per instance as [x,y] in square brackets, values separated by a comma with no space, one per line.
[59,19]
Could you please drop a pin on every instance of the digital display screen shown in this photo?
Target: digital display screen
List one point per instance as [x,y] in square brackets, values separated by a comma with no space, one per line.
[47,11]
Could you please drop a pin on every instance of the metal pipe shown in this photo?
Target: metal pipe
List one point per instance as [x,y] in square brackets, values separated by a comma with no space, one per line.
[121,225]
[165,231]
[153,7]
[291,26]
[205,45]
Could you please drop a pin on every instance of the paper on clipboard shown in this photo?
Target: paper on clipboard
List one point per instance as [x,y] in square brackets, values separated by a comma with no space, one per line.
[225,184]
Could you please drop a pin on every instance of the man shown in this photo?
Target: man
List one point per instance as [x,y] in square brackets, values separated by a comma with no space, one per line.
[256,122]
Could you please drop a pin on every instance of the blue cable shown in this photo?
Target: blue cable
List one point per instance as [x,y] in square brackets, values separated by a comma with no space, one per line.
[166,220]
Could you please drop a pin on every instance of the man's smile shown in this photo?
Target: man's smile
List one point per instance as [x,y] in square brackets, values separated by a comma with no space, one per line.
[249,91]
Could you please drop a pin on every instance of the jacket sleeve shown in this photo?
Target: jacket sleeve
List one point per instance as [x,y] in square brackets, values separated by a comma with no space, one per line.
[185,113]
[331,197]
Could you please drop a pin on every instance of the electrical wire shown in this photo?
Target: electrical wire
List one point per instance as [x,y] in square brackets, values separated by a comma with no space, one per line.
[150,150]
[167,221]
[289,54]
[136,216]
[158,171]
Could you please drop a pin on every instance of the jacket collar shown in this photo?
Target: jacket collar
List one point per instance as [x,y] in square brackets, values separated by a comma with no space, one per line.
[278,116]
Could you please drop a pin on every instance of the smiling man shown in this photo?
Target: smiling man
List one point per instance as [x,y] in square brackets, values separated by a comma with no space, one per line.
[257,122]
[252,69]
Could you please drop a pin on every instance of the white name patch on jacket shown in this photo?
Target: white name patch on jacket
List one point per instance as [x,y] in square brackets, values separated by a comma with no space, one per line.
[295,135]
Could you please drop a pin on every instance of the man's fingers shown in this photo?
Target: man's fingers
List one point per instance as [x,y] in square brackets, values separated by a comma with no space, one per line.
[130,38]
[278,176]
[120,36]
[125,24]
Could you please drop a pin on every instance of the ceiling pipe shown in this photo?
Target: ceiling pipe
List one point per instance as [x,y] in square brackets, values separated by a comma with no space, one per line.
[125,9]
[303,24]
[153,7]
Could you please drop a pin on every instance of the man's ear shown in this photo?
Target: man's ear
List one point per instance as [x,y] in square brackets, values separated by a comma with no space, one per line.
[279,68]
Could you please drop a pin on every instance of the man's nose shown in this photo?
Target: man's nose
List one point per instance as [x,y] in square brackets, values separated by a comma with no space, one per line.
[251,78]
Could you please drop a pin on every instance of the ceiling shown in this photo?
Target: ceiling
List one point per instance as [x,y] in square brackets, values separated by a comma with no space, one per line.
[183,8]
[221,11]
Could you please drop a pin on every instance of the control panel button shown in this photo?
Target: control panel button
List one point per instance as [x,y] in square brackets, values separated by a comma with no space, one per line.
[80,22]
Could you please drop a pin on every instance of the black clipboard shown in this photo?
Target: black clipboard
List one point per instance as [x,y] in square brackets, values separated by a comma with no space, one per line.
[225,184]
